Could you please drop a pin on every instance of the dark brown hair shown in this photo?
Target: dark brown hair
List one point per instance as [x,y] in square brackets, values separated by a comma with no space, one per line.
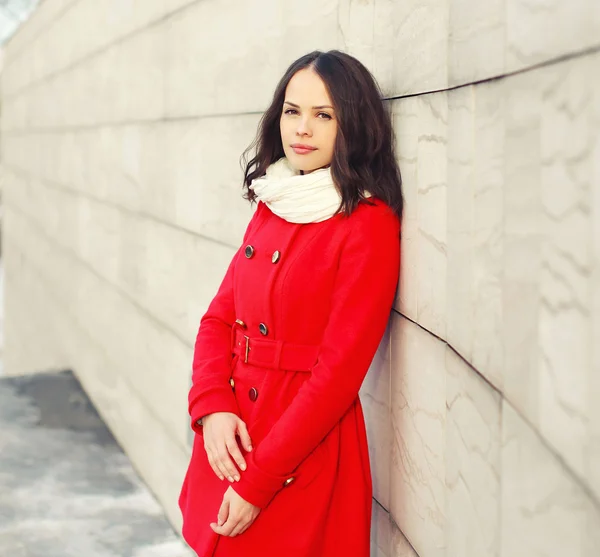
[363,157]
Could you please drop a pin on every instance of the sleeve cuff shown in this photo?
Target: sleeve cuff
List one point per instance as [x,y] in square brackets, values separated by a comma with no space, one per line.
[221,400]
[257,486]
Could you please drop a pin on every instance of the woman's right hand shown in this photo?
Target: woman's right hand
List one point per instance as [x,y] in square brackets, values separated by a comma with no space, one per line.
[220,443]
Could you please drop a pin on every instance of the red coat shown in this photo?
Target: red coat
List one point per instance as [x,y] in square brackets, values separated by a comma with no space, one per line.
[314,300]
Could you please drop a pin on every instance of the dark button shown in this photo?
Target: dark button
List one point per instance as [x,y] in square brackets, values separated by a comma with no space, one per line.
[263,329]
[288,481]
[232,383]
[249,251]
[253,394]
[241,323]
[276,256]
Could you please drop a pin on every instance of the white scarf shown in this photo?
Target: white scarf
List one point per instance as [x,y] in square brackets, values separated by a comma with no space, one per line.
[295,197]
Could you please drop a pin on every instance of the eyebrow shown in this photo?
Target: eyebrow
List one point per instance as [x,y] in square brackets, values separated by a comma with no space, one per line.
[314,107]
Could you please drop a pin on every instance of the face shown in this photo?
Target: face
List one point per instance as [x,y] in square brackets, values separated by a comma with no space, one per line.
[308,123]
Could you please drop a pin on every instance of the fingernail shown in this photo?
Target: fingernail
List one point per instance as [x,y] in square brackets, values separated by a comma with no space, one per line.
[237,478]
[230,479]
[243,466]
[221,478]
[250,448]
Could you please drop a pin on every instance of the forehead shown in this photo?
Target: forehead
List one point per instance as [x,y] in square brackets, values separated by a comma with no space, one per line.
[307,88]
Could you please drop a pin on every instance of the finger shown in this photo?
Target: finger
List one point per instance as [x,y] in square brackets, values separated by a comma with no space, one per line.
[244,436]
[227,465]
[214,466]
[221,470]
[241,526]
[223,513]
[234,451]
[227,528]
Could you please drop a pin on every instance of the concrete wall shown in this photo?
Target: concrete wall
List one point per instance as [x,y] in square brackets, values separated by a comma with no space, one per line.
[122,125]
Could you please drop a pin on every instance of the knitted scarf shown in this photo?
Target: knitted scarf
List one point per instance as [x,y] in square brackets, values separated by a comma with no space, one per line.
[295,197]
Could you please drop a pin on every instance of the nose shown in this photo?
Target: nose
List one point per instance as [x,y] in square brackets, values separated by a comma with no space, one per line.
[304,127]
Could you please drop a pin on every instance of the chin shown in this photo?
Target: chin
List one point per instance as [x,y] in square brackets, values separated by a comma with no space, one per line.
[303,164]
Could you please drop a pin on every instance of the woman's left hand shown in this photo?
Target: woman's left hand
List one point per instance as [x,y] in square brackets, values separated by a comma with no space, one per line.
[235,515]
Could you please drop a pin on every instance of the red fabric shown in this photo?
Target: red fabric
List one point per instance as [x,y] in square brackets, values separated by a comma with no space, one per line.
[333,287]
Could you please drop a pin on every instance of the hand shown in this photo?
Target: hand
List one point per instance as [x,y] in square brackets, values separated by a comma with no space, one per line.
[235,516]
[220,444]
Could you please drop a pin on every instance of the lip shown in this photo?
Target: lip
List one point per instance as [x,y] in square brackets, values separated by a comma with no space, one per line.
[301,149]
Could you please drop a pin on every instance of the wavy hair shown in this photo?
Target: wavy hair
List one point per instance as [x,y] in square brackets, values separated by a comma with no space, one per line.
[363,157]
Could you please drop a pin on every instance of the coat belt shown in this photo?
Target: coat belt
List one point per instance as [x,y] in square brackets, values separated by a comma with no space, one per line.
[273,354]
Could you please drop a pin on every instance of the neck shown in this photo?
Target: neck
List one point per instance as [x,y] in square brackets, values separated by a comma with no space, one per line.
[320,168]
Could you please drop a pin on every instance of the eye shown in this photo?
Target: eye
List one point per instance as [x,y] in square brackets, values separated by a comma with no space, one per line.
[327,116]
[289,111]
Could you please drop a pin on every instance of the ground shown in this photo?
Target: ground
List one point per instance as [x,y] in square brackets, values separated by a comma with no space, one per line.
[66,487]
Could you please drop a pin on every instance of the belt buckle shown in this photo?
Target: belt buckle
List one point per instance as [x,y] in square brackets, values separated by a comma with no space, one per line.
[247,348]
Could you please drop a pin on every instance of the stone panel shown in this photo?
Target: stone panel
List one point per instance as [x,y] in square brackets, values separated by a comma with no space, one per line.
[21,45]
[475,223]
[418,394]
[74,31]
[420,46]
[476,40]
[212,72]
[400,545]
[166,171]
[538,31]
[548,254]
[375,399]
[381,530]
[153,361]
[168,272]
[421,128]
[544,510]
[593,472]
[472,457]
[386,539]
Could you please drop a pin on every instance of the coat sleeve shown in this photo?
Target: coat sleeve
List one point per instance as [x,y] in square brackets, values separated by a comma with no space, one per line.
[365,287]
[211,366]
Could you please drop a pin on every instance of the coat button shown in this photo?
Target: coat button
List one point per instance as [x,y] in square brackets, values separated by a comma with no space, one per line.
[263,329]
[249,251]
[276,256]
[232,383]
[289,481]
[253,394]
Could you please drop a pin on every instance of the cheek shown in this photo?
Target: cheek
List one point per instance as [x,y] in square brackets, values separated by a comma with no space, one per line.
[284,126]
[331,137]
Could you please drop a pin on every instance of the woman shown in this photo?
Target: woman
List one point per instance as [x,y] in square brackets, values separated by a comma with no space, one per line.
[280,465]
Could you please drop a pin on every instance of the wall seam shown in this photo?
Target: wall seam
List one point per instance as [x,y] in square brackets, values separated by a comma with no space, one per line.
[82,330]
[552,61]
[119,123]
[27,131]
[572,473]
[395,524]
[19,52]
[118,289]
[104,48]
[50,184]
[582,53]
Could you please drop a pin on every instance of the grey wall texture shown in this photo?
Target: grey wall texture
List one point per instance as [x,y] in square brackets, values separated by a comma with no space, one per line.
[121,128]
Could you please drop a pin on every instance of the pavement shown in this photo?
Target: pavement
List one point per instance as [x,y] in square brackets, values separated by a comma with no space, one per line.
[66,487]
